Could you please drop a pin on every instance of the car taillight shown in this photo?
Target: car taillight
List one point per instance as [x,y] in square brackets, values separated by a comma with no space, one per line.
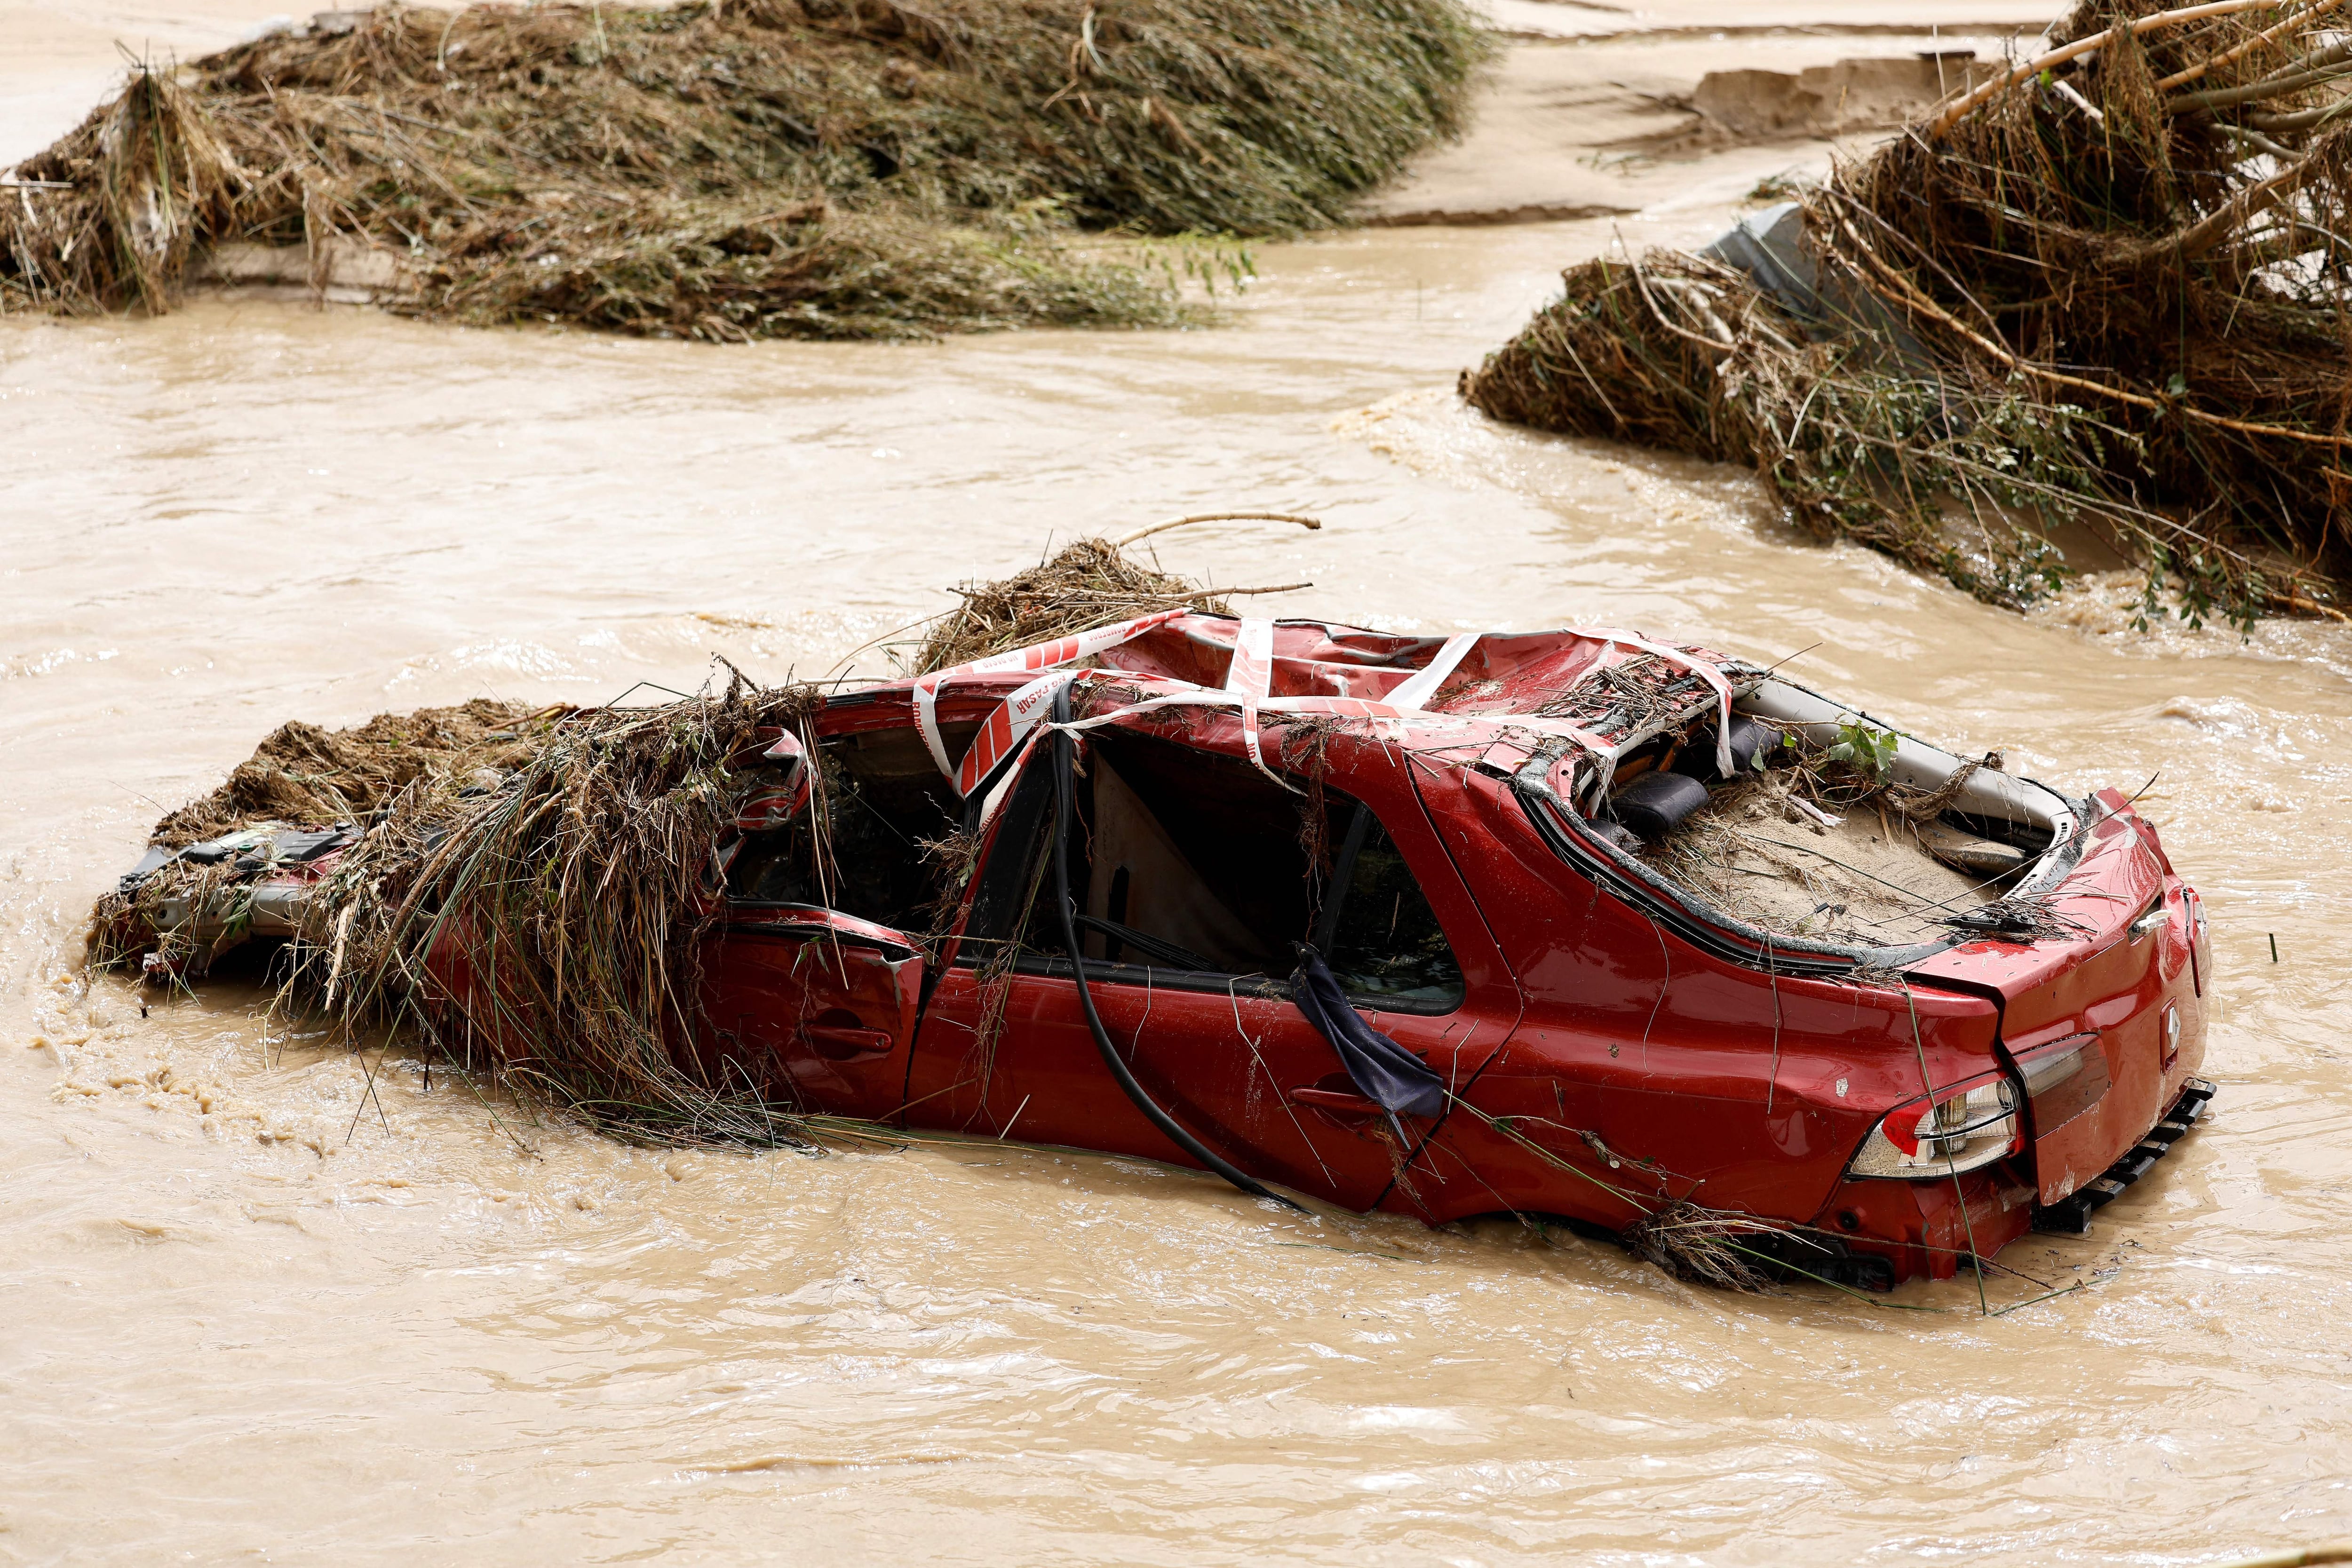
[1957,1129]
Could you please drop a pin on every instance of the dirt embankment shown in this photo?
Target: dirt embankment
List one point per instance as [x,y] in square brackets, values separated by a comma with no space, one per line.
[764,168]
[1609,124]
[1870,93]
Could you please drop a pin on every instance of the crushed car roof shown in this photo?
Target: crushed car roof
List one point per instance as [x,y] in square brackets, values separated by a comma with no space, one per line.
[1600,689]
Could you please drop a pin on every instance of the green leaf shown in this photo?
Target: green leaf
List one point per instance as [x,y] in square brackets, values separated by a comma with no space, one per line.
[1864,749]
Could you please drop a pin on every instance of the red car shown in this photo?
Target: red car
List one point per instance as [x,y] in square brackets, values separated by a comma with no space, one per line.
[1235,805]
[1436,927]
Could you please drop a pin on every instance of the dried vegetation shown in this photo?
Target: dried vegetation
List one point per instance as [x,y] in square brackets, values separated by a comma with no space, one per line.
[1085,585]
[824,168]
[1090,583]
[1826,853]
[2104,291]
[571,853]
[574,852]
[303,773]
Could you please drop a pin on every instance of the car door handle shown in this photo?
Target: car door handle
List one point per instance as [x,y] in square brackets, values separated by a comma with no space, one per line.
[839,1043]
[1345,1102]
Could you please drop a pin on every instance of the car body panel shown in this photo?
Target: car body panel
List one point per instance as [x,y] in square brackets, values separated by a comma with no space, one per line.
[1706,1080]
[816,1006]
[1236,1062]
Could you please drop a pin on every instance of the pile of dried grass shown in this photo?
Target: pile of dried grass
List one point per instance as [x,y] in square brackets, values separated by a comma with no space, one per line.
[764,168]
[1866,881]
[303,773]
[2106,289]
[574,855]
[584,885]
[1088,584]
[1091,583]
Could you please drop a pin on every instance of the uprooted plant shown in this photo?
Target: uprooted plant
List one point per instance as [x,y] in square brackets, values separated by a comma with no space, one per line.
[2105,289]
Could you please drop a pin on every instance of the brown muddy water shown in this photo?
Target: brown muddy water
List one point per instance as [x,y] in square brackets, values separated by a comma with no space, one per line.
[255,1313]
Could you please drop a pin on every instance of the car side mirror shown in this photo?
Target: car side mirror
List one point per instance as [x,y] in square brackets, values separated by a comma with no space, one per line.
[775,802]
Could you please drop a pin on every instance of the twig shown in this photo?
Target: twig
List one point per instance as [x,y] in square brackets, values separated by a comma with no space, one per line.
[1017,1116]
[2081,46]
[2312,70]
[2310,13]
[2203,235]
[1247,593]
[1142,533]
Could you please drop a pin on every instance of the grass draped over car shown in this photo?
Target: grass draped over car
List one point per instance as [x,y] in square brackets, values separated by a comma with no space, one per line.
[2105,291]
[570,853]
[742,169]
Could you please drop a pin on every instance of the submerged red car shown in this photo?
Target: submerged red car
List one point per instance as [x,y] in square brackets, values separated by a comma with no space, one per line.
[1574,925]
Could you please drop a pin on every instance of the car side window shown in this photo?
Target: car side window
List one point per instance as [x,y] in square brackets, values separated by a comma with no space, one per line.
[1189,861]
[1382,939]
[864,845]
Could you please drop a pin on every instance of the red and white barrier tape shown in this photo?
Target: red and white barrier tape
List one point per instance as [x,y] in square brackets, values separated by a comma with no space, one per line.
[1249,679]
[1006,727]
[1415,691]
[1041,656]
[1697,665]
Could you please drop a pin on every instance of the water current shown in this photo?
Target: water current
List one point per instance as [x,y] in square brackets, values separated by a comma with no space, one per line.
[259,1310]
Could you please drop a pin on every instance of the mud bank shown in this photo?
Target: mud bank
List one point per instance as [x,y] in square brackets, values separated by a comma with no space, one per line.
[1664,118]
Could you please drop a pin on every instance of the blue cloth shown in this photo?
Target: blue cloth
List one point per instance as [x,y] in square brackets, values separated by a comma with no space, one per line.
[1383,1071]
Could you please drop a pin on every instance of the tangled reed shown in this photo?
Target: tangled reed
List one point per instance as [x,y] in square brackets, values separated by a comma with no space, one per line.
[2105,290]
[573,853]
[737,169]
[303,773]
[1090,583]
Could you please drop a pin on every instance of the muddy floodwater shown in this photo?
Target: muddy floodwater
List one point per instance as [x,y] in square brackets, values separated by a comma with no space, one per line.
[260,1309]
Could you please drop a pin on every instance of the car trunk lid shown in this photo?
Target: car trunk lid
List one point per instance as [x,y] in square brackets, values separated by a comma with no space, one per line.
[2098,1013]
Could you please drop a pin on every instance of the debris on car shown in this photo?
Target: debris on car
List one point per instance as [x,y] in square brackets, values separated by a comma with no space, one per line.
[1582,926]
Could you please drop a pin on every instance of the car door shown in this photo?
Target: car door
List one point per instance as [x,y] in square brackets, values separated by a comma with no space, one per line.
[812,978]
[1196,875]
[814,1006]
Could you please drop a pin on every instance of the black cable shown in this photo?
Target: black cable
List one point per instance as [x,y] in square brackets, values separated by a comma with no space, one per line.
[1065,769]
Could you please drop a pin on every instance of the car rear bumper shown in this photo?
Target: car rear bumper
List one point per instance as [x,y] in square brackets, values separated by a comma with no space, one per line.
[2072,1215]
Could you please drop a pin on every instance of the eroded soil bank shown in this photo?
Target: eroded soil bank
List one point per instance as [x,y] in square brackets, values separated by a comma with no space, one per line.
[262,1305]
